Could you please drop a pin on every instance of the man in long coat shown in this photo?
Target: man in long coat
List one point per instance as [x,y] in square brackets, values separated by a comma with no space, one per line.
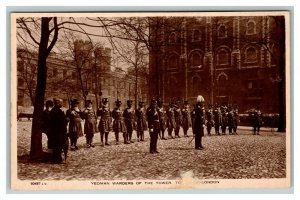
[140,115]
[58,130]
[128,116]
[186,118]
[178,119]
[170,120]
[199,122]
[153,125]
[118,123]
[104,125]
[74,116]
[90,123]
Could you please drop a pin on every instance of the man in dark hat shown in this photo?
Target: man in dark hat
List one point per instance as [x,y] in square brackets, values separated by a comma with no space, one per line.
[90,124]
[162,118]
[230,117]
[74,116]
[224,118]
[46,124]
[178,119]
[199,122]
[257,120]
[209,119]
[217,119]
[128,116]
[105,121]
[170,120]
[186,118]
[236,118]
[118,124]
[58,124]
[140,114]
[153,125]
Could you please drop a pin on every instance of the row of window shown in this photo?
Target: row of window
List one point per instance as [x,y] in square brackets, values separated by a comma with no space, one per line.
[223,58]
[222,32]
[253,88]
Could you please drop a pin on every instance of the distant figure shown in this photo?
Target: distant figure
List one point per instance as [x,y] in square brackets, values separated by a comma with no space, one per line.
[46,127]
[209,119]
[178,119]
[224,121]
[170,120]
[118,124]
[199,122]
[140,115]
[90,123]
[186,118]
[153,125]
[162,118]
[236,119]
[128,116]
[74,116]
[104,125]
[257,120]
[58,130]
[230,117]
[217,119]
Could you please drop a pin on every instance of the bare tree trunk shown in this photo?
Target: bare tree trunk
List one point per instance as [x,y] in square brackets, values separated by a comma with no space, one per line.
[36,150]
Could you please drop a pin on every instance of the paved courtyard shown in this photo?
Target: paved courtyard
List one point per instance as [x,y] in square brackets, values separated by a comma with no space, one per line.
[224,157]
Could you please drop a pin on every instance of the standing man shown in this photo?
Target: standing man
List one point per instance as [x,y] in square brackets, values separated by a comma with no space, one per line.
[153,125]
[170,120]
[217,119]
[128,115]
[105,121]
[118,124]
[141,121]
[46,127]
[58,129]
[199,122]
[209,119]
[74,115]
[178,119]
[257,122]
[236,119]
[230,118]
[162,118]
[224,119]
[90,124]
[186,118]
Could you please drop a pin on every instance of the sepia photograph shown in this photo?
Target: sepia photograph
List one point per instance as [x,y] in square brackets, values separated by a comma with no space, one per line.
[153,100]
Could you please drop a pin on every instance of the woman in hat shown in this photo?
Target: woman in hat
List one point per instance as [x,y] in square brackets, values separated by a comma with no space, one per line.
[186,118]
[141,121]
[118,124]
[105,121]
[90,124]
[74,116]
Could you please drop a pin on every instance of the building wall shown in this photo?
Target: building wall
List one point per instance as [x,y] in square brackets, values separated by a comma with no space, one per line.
[223,59]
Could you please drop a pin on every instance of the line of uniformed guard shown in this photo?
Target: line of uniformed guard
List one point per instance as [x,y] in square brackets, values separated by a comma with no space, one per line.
[155,118]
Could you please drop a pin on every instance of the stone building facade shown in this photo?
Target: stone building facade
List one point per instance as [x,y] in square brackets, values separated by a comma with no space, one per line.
[226,59]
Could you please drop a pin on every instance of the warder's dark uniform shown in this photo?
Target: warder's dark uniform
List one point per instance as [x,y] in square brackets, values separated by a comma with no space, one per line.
[90,125]
[217,119]
[128,116]
[210,122]
[104,125]
[75,128]
[186,120]
[162,121]
[170,121]
[119,125]
[178,121]
[257,121]
[236,120]
[198,125]
[141,123]
[224,121]
[230,118]
[154,127]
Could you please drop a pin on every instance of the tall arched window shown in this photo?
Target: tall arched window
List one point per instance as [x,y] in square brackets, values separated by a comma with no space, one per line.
[172,38]
[196,35]
[196,60]
[251,54]
[223,57]
[251,28]
[173,62]
[222,31]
